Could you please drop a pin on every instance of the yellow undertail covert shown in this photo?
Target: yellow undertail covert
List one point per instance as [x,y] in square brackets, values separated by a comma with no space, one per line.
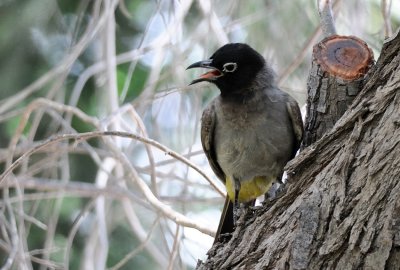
[249,189]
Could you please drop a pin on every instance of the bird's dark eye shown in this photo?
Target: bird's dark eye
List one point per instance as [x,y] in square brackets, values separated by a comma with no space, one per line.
[229,67]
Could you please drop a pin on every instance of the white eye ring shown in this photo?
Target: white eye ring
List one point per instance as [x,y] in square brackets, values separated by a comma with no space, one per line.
[229,67]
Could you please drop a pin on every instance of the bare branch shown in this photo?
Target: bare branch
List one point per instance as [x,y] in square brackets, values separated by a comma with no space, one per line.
[325,13]
[386,7]
[176,217]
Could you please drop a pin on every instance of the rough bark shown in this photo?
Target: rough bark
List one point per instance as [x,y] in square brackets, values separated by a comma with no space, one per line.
[337,75]
[341,209]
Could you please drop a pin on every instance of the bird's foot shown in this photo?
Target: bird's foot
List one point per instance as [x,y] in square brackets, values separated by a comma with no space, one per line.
[240,213]
[254,208]
[225,237]
[237,211]
[275,192]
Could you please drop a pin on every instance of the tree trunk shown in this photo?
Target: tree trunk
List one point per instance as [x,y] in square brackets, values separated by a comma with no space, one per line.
[341,209]
[336,77]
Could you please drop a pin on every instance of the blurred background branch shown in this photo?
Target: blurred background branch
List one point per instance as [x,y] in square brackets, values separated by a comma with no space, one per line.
[143,198]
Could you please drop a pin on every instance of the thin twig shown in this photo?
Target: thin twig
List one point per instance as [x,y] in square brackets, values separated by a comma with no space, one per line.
[175,248]
[137,227]
[150,155]
[135,251]
[176,217]
[300,57]
[78,220]
[386,7]
[88,135]
[65,65]
[325,14]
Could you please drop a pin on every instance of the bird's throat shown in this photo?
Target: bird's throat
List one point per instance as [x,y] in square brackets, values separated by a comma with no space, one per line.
[238,96]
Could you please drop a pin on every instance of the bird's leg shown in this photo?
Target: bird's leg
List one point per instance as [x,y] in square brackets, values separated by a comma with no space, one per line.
[271,193]
[275,190]
[275,194]
[236,206]
[251,205]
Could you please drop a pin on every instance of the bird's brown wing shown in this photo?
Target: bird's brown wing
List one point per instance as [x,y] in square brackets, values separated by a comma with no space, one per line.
[207,140]
[297,123]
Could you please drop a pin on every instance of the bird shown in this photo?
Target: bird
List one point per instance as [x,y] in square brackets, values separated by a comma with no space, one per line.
[248,132]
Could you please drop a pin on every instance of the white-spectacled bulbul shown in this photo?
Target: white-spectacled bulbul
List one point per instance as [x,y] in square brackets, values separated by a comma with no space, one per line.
[251,130]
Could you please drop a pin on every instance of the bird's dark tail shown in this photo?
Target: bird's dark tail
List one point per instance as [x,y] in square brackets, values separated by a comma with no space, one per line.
[226,224]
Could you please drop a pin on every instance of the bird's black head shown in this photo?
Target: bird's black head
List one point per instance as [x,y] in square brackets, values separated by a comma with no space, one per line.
[234,66]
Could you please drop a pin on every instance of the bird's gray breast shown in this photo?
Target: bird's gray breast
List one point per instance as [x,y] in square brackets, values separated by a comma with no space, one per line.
[249,142]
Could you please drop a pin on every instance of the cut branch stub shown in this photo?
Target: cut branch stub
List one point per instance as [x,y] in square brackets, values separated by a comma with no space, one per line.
[337,75]
[346,57]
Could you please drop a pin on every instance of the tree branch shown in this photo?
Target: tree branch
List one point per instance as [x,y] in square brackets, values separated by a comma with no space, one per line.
[175,216]
[325,13]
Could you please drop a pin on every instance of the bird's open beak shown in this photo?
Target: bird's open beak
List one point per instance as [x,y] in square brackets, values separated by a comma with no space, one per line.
[208,76]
